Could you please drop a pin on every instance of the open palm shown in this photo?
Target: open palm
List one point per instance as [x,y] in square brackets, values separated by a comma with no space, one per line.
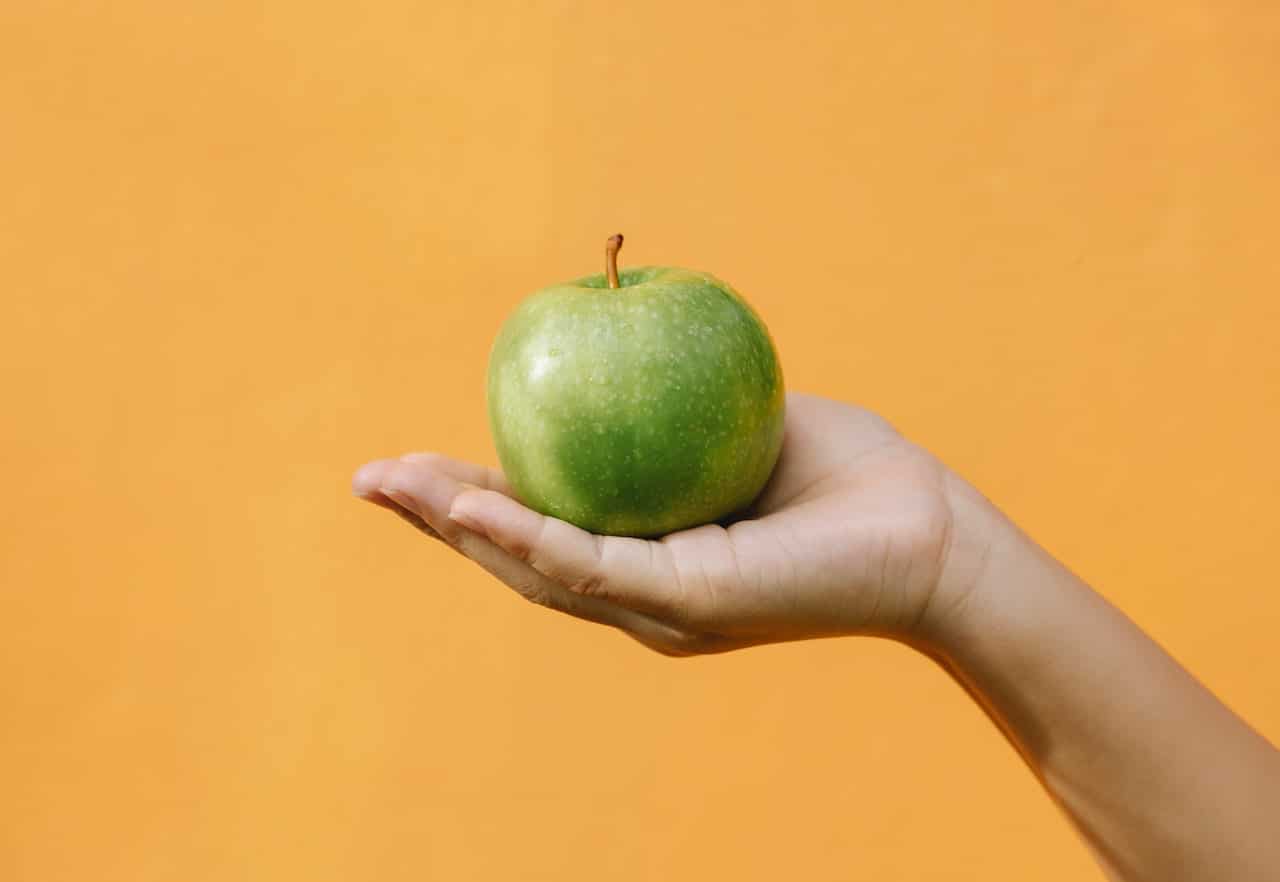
[851,535]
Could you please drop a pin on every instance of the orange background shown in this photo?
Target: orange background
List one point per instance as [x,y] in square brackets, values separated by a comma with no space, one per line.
[245,246]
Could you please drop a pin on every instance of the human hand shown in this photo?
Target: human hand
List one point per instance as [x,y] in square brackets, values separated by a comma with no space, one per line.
[856,532]
[861,532]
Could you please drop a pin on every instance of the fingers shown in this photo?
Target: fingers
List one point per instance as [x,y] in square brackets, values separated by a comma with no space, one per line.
[424,490]
[461,470]
[366,481]
[427,493]
[629,572]
[367,485]
[544,591]
[368,478]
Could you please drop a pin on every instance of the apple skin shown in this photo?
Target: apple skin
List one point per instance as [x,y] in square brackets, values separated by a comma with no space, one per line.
[640,410]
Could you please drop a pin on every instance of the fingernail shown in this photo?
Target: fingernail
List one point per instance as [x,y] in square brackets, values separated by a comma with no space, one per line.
[466,519]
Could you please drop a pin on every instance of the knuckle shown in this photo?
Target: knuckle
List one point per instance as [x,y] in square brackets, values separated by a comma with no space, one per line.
[534,593]
[520,550]
[538,591]
[526,548]
[591,584]
[463,541]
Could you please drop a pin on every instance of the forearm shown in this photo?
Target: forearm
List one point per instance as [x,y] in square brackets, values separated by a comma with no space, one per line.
[1163,779]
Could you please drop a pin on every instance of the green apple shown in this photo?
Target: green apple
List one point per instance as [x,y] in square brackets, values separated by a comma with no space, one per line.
[636,404]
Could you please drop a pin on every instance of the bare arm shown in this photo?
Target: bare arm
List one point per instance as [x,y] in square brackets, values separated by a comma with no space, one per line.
[1161,778]
[862,532]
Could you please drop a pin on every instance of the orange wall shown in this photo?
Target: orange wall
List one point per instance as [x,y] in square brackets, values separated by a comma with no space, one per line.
[245,246]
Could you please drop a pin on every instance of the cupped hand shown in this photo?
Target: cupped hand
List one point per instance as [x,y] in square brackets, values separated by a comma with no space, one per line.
[856,533]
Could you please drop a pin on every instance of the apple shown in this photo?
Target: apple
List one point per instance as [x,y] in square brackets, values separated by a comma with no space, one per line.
[636,403]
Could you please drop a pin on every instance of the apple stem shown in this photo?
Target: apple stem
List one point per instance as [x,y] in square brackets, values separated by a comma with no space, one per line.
[611,258]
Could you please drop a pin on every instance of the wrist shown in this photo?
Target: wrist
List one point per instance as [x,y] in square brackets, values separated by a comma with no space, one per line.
[1002,601]
[988,565]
